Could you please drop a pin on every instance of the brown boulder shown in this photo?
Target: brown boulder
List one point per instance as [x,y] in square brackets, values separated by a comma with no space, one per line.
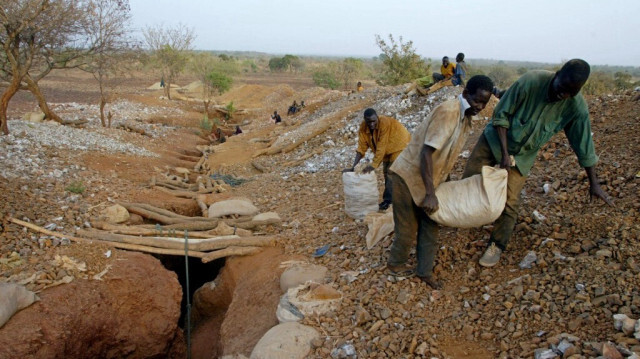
[132,312]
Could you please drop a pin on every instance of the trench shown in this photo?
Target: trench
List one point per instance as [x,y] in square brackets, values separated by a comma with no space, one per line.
[199,274]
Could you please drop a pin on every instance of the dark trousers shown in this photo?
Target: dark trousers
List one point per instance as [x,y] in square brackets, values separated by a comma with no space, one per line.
[386,195]
[412,228]
[503,226]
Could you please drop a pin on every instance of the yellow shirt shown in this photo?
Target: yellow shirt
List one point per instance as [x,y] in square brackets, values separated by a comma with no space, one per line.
[448,71]
[446,129]
[387,141]
[360,88]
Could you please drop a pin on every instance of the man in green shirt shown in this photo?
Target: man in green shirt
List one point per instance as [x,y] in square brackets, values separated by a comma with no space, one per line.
[537,106]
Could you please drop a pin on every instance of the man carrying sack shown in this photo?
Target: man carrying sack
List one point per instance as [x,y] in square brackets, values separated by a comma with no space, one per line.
[420,168]
[386,137]
[537,106]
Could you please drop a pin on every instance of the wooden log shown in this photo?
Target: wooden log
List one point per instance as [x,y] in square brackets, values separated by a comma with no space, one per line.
[148,231]
[164,219]
[177,193]
[203,207]
[231,251]
[195,244]
[259,167]
[128,246]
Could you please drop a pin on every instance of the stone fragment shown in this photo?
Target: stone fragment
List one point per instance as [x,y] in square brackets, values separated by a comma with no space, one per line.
[544,354]
[114,214]
[286,340]
[609,351]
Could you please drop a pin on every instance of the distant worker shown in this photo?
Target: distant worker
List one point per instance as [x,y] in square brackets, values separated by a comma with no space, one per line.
[359,87]
[302,104]
[276,117]
[426,162]
[386,137]
[162,81]
[460,72]
[222,138]
[293,108]
[447,71]
[238,130]
[537,106]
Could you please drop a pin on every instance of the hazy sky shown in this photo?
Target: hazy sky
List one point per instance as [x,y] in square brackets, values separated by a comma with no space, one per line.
[601,32]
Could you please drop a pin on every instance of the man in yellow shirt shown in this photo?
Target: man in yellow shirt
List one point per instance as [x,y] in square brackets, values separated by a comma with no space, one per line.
[386,137]
[446,70]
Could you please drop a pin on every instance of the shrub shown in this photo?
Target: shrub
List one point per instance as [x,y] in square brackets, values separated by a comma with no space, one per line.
[401,63]
[326,77]
[205,124]
[75,187]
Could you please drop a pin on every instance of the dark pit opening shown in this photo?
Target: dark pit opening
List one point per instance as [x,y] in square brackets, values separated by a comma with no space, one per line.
[199,274]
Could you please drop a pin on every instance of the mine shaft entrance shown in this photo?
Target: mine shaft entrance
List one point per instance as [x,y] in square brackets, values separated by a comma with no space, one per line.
[199,274]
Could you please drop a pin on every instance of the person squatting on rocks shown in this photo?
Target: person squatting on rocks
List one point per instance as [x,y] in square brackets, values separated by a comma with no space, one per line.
[276,117]
[359,87]
[447,70]
[386,137]
[426,162]
[460,72]
[537,106]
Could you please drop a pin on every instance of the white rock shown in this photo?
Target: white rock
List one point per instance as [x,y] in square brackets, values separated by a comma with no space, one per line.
[285,341]
[242,207]
[618,319]
[115,214]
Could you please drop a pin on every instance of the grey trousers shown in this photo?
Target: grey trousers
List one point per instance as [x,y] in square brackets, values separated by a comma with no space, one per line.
[412,228]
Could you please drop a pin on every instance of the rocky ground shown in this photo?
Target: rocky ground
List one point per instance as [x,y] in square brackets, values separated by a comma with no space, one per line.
[587,260]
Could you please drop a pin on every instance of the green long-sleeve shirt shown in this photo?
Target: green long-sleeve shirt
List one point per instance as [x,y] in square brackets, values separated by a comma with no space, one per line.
[531,120]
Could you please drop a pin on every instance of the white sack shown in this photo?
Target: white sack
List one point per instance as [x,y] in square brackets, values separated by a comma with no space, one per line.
[380,225]
[473,201]
[360,193]
[14,297]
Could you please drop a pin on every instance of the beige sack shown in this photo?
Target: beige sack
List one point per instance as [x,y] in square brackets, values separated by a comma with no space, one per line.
[473,201]
[380,225]
[360,194]
[14,297]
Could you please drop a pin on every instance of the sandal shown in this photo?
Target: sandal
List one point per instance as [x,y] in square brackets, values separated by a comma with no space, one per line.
[401,271]
[431,282]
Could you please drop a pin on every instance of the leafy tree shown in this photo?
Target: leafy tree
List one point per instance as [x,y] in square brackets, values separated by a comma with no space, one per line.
[401,63]
[622,80]
[327,76]
[277,64]
[350,69]
[214,80]
[169,48]
[285,63]
[502,75]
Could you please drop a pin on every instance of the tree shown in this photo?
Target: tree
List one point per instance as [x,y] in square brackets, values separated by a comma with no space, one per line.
[109,30]
[502,75]
[349,70]
[622,80]
[401,63]
[327,76]
[285,63]
[169,48]
[38,36]
[214,74]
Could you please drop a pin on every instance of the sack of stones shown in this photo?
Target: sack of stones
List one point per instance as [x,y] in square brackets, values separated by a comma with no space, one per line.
[14,297]
[360,194]
[473,201]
